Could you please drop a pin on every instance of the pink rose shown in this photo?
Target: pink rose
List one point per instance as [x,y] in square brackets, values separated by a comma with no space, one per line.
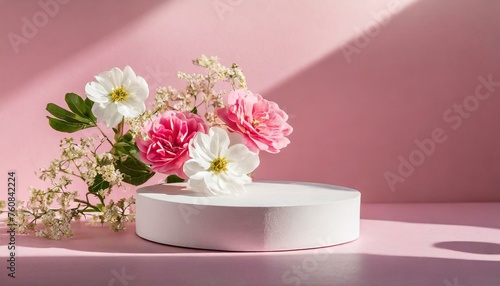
[262,123]
[169,137]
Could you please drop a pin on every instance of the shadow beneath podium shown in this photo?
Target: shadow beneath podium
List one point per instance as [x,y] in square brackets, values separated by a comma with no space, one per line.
[101,239]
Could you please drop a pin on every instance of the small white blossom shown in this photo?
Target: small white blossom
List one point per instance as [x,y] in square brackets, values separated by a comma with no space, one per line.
[117,94]
[110,174]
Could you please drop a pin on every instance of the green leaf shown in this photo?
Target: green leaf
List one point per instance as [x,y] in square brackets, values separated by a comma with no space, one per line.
[194,110]
[64,126]
[80,116]
[125,148]
[126,145]
[90,104]
[100,207]
[65,115]
[121,147]
[135,171]
[174,179]
[78,105]
[99,184]
[128,137]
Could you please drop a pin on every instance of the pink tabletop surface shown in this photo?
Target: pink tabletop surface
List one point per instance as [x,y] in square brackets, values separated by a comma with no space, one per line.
[400,244]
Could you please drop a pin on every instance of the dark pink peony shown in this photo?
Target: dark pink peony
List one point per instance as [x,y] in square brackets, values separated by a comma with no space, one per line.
[262,123]
[166,149]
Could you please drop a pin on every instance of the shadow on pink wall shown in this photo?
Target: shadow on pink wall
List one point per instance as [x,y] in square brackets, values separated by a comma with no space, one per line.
[30,29]
[395,113]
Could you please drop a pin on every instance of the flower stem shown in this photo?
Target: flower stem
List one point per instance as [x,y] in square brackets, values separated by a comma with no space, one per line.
[86,203]
[103,134]
[119,132]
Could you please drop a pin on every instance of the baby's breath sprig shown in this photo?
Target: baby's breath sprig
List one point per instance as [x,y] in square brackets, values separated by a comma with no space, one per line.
[49,211]
[199,96]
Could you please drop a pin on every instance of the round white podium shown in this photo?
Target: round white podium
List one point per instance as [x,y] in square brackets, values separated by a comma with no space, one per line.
[270,216]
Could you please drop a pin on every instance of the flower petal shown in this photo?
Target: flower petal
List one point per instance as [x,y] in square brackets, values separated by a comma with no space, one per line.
[241,160]
[201,147]
[139,88]
[219,141]
[233,185]
[191,167]
[105,82]
[116,77]
[110,115]
[197,182]
[96,92]
[129,76]
[98,110]
[130,110]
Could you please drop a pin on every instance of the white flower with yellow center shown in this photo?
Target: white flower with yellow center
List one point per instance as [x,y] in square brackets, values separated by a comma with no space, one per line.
[216,168]
[117,94]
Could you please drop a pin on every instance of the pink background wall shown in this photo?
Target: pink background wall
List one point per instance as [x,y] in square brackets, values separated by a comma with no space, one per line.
[361,82]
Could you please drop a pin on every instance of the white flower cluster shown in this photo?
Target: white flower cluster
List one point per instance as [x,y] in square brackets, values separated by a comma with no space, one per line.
[55,207]
[82,161]
[56,225]
[116,214]
[55,221]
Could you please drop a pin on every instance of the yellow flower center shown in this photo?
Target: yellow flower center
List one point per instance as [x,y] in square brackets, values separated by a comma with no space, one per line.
[255,123]
[119,94]
[219,165]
